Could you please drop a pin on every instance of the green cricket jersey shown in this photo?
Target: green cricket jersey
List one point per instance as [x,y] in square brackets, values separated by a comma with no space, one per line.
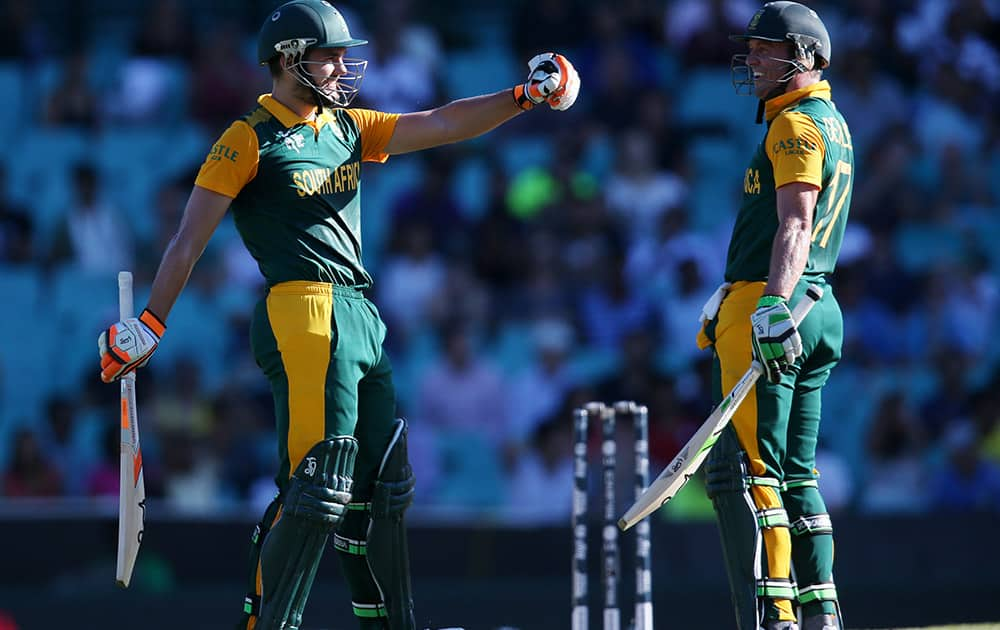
[296,188]
[807,141]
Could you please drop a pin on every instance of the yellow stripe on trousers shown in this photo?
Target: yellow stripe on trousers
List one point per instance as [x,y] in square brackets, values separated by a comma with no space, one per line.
[734,345]
[300,315]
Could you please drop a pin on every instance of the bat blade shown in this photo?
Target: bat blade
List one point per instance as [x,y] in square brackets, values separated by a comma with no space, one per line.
[686,463]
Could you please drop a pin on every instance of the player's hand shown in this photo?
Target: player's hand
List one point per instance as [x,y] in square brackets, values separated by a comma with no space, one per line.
[552,79]
[776,340]
[128,344]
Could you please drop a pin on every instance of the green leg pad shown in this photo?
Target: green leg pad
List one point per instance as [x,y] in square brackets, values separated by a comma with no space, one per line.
[737,526]
[351,543]
[812,548]
[388,551]
[312,506]
[251,603]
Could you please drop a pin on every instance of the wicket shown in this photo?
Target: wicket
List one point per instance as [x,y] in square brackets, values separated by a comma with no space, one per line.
[608,415]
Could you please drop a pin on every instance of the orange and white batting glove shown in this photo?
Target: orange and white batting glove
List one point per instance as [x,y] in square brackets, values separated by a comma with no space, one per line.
[128,344]
[552,79]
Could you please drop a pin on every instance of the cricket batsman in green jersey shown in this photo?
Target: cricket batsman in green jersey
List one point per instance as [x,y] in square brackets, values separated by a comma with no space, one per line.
[290,170]
[761,474]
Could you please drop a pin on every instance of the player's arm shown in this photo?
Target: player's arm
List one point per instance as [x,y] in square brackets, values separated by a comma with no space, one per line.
[790,251]
[129,344]
[458,120]
[202,215]
[551,79]
[230,164]
[796,149]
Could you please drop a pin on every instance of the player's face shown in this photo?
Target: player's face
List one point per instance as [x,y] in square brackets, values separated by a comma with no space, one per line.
[321,67]
[768,62]
[324,65]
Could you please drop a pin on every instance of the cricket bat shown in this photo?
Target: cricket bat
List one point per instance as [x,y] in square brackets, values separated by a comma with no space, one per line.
[687,462]
[132,489]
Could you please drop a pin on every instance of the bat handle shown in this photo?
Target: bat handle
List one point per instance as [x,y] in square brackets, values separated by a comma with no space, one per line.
[813,294]
[126,308]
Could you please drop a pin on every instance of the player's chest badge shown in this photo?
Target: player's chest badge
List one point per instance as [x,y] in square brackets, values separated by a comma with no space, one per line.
[291,140]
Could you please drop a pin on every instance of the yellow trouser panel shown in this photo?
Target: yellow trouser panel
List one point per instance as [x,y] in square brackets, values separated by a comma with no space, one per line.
[300,314]
[734,347]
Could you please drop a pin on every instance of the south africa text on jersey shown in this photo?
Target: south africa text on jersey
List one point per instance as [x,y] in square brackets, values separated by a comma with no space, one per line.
[325,181]
[751,181]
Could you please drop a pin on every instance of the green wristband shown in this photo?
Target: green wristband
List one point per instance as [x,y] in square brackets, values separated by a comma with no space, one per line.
[770,300]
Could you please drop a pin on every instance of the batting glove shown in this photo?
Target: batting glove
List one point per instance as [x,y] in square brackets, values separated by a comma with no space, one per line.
[128,344]
[776,340]
[552,79]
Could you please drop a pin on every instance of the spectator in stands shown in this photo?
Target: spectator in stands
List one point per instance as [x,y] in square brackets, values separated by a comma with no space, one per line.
[654,259]
[181,403]
[153,81]
[462,403]
[102,479]
[223,78]
[543,386]
[30,474]
[967,481]
[639,192]
[192,480]
[59,441]
[950,398]
[400,73]
[497,257]
[73,101]
[22,35]
[166,31]
[897,471]
[541,290]
[537,490]
[610,309]
[688,296]
[462,392]
[431,203]
[17,229]
[94,235]
[168,205]
[411,281]
[696,29]
[636,375]
[542,25]
[869,87]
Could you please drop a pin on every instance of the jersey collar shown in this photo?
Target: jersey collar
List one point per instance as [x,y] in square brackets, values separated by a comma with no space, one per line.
[774,106]
[288,118]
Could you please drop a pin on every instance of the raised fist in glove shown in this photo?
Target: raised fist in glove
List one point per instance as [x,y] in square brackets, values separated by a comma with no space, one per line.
[776,340]
[552,79]
[128,344]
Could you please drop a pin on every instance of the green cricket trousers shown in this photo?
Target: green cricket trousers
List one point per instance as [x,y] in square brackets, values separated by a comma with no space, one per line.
[320,347]
[761,473]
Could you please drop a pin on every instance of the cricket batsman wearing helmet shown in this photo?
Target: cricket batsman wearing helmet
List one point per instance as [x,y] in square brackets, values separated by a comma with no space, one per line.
[761,474]
[290,170]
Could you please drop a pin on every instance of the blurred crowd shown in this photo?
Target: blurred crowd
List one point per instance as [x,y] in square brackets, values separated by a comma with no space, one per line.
[558,260]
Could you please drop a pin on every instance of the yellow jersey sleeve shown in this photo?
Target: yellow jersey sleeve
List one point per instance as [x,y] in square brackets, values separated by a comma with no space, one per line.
[376,130]
[796,148]
[232,162]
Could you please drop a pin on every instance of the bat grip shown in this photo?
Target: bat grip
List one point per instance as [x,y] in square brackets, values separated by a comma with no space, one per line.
[813,294]
[126,307]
